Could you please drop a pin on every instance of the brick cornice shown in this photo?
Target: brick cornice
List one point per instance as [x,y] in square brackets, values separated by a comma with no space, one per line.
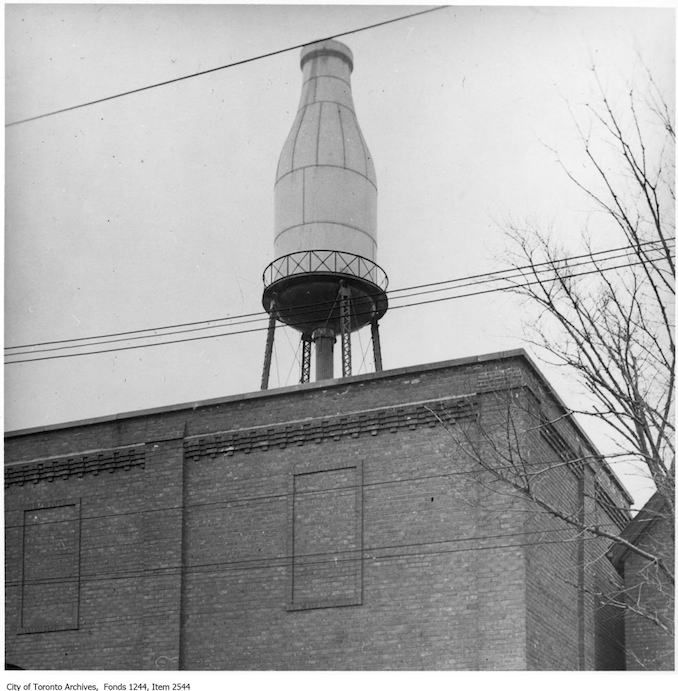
[332,427]
[64,467]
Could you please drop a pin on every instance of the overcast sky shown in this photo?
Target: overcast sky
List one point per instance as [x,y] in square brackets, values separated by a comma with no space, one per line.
[157,208]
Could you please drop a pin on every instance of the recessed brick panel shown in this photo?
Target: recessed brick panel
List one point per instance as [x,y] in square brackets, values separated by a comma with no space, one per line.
[326,538]
[50,584]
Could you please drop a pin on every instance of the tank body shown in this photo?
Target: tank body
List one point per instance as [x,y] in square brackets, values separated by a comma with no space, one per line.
[326,187]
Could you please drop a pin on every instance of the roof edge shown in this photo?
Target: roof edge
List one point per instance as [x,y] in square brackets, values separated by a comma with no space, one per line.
[310,386]
[580,430]
[519,353]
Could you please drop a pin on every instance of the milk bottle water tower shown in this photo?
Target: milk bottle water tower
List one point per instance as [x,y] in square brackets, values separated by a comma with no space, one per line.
[324,281]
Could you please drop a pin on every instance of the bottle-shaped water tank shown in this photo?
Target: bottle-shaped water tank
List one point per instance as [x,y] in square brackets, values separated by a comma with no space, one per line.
[324,280]
[326,187]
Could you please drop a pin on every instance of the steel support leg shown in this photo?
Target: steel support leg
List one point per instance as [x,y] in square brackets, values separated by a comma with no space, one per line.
[345,327]
[376,346]
[306,342]
[269,349]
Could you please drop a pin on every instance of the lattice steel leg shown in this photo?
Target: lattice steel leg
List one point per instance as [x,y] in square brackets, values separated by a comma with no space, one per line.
[306,342]
[376,346]
[345,326]
[269,349]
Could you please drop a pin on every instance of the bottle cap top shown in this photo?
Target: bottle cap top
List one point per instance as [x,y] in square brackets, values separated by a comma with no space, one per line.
[329,47]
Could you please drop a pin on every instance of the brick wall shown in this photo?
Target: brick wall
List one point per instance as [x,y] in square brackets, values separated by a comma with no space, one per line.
[428,600]
[108,632]
[649,647]
[417,561]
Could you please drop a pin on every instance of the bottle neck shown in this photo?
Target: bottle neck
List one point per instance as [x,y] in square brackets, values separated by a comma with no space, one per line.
[326,78]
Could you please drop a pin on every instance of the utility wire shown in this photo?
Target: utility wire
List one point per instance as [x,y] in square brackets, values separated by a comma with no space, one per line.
[551,266]
[287,495]
[474,279]
[284,560]
[223,67]
[390,292]
[515,286]
[311,308]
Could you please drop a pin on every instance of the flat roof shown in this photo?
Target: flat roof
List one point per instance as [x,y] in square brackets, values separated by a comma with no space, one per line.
[520,353]
[310,386]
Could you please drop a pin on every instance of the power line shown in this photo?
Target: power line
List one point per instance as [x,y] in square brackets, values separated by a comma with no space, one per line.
[533,270]
[257,329]
[311,308]
[362,553]
[224,67]
[287,495]
[548,263]
[473,279]
[390,292]
[515,286]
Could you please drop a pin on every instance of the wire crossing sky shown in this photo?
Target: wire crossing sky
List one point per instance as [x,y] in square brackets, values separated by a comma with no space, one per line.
[501,274]
[587,268]
[237,63]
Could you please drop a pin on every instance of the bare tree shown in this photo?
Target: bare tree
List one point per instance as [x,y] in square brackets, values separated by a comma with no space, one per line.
[606,316]
[610,320]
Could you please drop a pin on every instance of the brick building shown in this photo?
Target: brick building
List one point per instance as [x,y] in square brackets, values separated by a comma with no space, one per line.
[649,593]
[339,524]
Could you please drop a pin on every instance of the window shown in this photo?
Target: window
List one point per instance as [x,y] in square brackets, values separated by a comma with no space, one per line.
[50,585]
[326,538]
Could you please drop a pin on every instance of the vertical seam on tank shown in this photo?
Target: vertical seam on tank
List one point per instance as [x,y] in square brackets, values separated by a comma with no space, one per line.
[317,135]
[362,141]
[296,136]
[343,141]
[303,196]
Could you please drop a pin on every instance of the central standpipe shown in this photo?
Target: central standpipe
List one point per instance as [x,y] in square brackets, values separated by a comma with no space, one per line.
[324,281]
[324,340]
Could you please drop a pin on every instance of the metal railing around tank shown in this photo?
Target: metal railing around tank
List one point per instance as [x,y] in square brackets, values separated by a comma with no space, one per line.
[325,261]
